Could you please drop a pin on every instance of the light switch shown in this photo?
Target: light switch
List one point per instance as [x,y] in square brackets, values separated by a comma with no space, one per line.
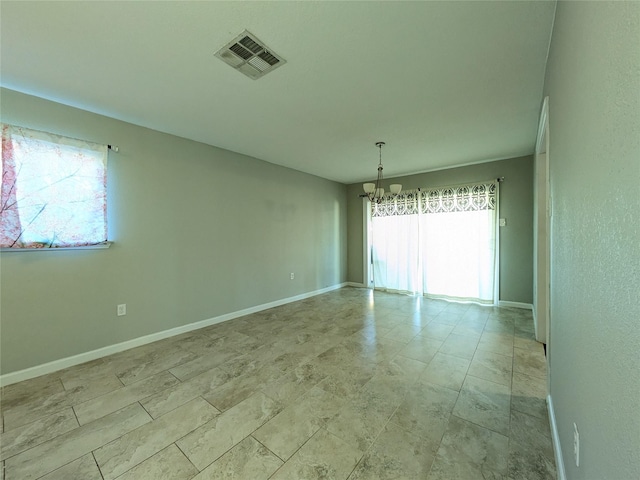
[503,222]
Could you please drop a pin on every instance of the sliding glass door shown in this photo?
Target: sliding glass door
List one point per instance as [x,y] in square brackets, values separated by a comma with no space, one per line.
[439,243]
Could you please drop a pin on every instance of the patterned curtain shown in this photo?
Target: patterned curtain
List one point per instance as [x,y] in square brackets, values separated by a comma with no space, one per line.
[406,203]
[53,190]
[467,198]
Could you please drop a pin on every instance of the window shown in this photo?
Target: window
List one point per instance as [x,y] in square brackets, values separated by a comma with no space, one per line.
[54,190]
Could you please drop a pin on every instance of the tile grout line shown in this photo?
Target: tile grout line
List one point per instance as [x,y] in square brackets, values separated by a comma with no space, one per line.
[274,453]
[97,466]
[186,456]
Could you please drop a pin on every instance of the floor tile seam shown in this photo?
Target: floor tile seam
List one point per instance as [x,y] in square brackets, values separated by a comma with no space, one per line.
[479,353]
[29,390]
[140,401]
[537,377]
[76,417]
[457,356]
[148,425]
[538,346]
[137,400]
[37,419]
[29,402]
[533,378]
[484,426]
[298,449]
[435,456]
[111,392]
[113,440]
[378,435]
[363,454]
[77,428]
[535,418]
[57,412]
[186,456]
[494,383]
[265,446]
[69,462]
[481,426]
[141,462]
[457,392]
[85,376]
[96,397]
[494,353]
[191,376]
[182,362]
[40,442]
[59,378]
[355,467]
[416,434]
[513,370]
[97,466]
[490,381]
[54,375]
[397,424]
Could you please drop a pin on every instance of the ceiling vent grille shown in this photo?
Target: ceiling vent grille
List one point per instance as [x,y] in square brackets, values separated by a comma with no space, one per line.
[250,56]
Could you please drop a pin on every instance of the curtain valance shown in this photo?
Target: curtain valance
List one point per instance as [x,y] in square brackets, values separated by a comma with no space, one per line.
[464,198]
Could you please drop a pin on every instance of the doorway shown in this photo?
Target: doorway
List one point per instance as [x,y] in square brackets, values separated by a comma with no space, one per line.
[541,231]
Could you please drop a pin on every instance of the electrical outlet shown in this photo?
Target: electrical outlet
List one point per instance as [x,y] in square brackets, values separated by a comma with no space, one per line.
[576,445]
[293,275]
[122,309]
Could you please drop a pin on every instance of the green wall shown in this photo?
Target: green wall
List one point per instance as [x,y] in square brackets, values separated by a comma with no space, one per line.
[198,232]
[593,84]
[516,206]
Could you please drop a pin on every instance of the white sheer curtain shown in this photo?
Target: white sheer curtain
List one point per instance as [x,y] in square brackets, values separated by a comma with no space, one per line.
[459,254]
[395,250]
[439,242]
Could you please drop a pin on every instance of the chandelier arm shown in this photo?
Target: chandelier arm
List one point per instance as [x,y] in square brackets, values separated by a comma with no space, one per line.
[377,194]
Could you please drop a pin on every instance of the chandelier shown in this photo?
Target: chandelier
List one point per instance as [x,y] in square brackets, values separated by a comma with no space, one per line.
[374,191]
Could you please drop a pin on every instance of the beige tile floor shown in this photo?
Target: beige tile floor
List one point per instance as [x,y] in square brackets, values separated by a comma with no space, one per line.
[351,384]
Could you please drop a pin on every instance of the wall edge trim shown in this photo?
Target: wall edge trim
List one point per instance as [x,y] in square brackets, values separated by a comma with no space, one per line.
[506,303]
[555,439]
[60,364]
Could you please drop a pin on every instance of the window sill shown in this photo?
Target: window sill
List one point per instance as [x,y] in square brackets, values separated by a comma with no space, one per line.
[98,246]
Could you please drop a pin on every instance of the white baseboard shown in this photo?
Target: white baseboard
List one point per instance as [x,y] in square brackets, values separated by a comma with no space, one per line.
[506,303]
[355,284]
[38,370]
[555,438]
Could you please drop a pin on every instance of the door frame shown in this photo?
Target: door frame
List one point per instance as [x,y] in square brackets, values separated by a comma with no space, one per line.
[542,230]
[366,244]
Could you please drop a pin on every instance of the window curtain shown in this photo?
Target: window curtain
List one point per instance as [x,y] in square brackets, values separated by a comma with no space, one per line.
[438,242]
[53,190]
[459,248]
[395,229]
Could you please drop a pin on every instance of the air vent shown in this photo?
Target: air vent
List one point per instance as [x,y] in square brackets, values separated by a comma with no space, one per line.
[250,56]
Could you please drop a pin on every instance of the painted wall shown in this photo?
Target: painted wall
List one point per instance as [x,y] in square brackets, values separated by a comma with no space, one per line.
[198,231]
[516,206]
[593,83]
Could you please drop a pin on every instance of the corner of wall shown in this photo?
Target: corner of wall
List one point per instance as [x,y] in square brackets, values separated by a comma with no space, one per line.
[555,438]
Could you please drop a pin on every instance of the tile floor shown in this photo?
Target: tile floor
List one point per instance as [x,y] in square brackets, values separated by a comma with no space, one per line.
[351,384]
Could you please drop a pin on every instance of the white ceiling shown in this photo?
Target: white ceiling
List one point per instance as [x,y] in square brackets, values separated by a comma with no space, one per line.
[443,83]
